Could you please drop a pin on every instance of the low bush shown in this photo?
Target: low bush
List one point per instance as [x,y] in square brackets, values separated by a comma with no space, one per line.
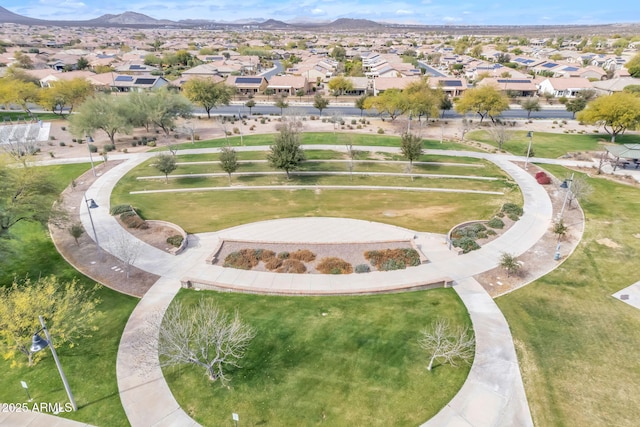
[62,144]
[283,255]
[118,209]
[273,264]
[134,221]
[495,222]
[467,244]
[334,265]
[244,259]
[512,211]
[265,255]
[175,240]
[393,259]
[108,147]
[292,266]
[303,255]
[473,231]
[362,268]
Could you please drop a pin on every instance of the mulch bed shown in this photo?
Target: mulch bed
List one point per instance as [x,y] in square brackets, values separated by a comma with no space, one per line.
[85,256]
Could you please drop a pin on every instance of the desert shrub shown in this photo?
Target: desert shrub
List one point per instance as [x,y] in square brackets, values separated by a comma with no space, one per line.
[473,231]
[292,266]
[118,209]
[400,258]
[266,255]
[283,255]
[334,265]
[495,222]
[108,147]
[543,179]
[273,263]
[467,244]
[134,143]
[491,232]
[362,268]
[151,144]
[127,214]
[92,148]
[244,259]
[380,131]
[512,210]
[303,255]
[392,264]
[133,221]
[175,240]
[62,144]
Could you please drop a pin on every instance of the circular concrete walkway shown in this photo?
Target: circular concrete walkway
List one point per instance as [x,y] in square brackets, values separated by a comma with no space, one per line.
[493,393]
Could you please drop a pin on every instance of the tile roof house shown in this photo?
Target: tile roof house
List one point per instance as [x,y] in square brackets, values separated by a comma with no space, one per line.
[385,83]
[568,87]
[450,86]
[513,87]
[127,83]
[289,85]
[247,85]
[135,68]
[607,87]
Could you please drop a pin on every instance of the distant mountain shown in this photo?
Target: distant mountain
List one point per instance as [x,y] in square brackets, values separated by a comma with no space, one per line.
[345,24]
[128,19]
[8,16]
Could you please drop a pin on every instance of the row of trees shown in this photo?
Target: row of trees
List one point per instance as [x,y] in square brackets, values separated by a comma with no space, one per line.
[120,114]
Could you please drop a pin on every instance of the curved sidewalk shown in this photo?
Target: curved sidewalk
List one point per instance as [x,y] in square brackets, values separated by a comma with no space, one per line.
[493,393]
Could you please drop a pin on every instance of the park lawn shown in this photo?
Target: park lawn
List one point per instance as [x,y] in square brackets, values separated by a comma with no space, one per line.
[198,212]
[552,145]
[358,364]
[21,115]
[32,253]
[578,346]
[316,138]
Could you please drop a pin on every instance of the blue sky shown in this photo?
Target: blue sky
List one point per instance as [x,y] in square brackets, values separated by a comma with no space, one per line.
[487,12]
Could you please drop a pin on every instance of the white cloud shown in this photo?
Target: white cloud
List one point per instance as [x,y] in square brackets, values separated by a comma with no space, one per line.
[317,11]
[451,19]
[404,12]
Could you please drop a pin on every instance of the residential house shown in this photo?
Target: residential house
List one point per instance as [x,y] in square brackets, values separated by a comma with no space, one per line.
[451,86]
[510,86]
[136,68]
[247,85]
[385,83]
[607,87]
[127,83]
[288,85]
[568,87]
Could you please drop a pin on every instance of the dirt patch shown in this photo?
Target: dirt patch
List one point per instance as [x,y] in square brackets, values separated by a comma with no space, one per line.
[608,243]
[540,259]
[155,235]
[353,253]
[85,256]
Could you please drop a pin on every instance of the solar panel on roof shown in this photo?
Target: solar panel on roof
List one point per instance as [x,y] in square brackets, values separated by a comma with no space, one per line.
[513,81]
[571,69]
[550,65]
[136,67]
[249,80]
[456,83]
[124,79]
[144,81]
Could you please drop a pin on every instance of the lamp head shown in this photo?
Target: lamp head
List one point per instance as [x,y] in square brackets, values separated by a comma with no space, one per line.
[565,184]
[530,134]
[92,204]
[38,343]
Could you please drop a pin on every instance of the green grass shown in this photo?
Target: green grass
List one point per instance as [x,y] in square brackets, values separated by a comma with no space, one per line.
[578,346]
[207,211]
[357,365]
[552,145]
[316,138]
[90,366]
[21,115]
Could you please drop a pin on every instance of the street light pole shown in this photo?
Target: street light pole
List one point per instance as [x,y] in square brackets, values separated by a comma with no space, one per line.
[530,136]
[39,344]
[90,206]
[566,184]
[89,141]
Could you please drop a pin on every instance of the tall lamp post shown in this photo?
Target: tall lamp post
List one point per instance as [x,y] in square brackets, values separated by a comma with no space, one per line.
[38,343]
[530,136]
[89,141]
[91,204]
[566,184]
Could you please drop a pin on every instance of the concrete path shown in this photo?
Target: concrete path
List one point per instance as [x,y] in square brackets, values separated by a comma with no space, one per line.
[493,394]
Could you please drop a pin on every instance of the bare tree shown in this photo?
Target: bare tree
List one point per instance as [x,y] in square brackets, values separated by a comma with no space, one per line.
[580,190]
[205,336]
[19,149]
[127,249]
[450,345]
[499,133]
